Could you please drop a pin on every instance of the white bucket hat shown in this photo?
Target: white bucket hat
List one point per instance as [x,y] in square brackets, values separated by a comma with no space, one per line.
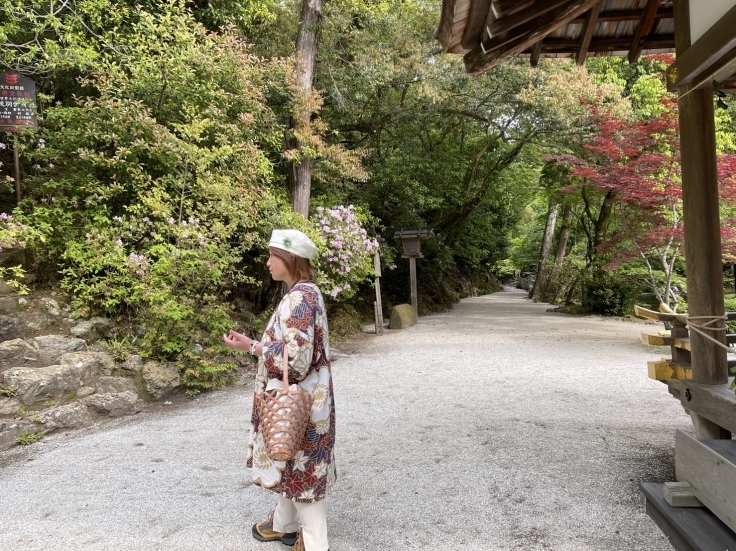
[293,241]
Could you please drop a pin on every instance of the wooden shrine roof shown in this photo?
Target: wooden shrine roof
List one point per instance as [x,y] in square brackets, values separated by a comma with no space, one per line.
[489,31]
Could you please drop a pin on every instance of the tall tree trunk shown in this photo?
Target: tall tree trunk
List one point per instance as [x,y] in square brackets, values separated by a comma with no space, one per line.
[551,290]
[300,176]
[540,283]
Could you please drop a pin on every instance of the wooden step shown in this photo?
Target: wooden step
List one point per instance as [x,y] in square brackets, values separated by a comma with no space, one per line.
[688,528]
[709,467]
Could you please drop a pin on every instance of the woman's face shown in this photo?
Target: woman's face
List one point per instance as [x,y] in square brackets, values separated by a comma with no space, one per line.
[277,267]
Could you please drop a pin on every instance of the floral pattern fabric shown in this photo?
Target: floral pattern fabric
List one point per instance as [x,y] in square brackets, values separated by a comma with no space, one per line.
[298,327]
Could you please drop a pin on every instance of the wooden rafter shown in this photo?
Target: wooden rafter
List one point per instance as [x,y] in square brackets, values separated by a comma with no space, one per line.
[598,45]
[479,9]
[479,60]
[711,57]
[626,15]
[536,51]
[587,34]
[519,18]
[645,27]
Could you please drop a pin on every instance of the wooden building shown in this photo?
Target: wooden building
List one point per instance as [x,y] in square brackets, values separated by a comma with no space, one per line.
[702,33]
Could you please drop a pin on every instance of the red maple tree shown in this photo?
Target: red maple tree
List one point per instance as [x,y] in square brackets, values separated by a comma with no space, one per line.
[634,165]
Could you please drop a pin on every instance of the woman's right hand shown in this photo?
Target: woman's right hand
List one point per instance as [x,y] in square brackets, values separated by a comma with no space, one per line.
[237,341]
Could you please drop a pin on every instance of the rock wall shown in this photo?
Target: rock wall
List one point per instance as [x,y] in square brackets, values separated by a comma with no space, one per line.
[56,373]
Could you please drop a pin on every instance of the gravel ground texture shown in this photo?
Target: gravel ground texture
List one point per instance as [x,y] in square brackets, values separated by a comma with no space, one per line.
[495,426]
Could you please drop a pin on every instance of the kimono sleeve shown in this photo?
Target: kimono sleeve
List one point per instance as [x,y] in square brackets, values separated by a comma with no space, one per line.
[293,331]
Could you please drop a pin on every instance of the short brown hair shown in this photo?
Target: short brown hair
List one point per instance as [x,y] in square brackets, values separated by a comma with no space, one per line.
[297,266]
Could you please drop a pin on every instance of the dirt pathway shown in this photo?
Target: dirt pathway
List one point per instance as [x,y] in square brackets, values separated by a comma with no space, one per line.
[496,426]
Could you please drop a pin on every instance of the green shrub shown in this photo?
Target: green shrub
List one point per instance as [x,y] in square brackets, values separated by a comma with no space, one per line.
[607,294]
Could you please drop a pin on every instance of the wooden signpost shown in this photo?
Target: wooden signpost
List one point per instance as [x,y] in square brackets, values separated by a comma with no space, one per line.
[17,110]
[411,239]
[377,306]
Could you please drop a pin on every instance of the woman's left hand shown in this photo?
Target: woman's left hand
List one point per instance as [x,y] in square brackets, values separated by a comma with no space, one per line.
[237,341]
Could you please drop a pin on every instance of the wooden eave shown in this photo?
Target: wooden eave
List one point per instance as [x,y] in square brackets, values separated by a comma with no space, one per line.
[490,31]
[710,61]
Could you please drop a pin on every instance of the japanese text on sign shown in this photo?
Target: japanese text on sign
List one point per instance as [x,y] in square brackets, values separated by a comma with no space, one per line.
[17,102]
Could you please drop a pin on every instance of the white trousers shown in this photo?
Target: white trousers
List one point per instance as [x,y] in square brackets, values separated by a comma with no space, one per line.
[314,522]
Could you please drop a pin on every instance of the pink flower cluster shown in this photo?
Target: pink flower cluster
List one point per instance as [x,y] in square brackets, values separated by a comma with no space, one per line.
[348,259]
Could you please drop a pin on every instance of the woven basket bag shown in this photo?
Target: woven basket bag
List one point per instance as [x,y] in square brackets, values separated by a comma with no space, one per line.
[284,416]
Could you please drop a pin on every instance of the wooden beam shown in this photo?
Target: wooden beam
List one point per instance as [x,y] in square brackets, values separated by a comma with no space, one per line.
[645,27]
[479,61]
[706,56]
[494,39]
[622,15]
[587,34]
[476,23]
[717,403]
[506,24]
[536,51]
[701,214]
[654,42]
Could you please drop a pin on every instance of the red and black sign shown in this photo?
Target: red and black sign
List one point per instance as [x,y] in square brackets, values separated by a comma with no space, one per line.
[17,102]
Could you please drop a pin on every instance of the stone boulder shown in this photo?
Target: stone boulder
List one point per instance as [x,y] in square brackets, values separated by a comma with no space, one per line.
[38,384]
[70,416]
[50,306]
[11,327]
[101,362]
[9,405]
[402,316]
[161,379]
[52,347]
[115,385]
[10,305]
[133,363]
[10,429]
[115,404]
[6,289]
[92,330]
[17,353]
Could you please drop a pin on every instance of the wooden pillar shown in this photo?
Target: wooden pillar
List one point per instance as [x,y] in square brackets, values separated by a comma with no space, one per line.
[702,223]
[413,280]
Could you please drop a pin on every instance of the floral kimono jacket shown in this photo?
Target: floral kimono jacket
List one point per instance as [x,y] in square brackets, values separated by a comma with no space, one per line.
[299,327]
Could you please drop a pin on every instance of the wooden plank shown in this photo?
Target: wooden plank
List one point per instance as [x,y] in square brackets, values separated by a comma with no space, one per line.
[659,316]
[476,23]
[568,45]
[695,64]
[479,61]
[643,29]
[717,403]
[625,15]
[712,476]
[587,33]
[656,340]
[660,370]
[687,528]
[682,342]
[506,24]
[680,494]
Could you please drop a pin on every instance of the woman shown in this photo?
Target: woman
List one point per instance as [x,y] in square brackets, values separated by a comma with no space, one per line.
[298,328]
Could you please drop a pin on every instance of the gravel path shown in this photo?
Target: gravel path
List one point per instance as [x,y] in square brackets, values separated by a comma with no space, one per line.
[496,426]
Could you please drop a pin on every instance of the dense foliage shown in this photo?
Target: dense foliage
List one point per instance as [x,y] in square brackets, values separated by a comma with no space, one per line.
[163,151]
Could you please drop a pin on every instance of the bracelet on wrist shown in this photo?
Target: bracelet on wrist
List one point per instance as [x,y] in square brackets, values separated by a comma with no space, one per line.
[253,347]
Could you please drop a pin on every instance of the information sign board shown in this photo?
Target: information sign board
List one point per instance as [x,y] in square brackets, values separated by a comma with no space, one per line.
[17,102]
